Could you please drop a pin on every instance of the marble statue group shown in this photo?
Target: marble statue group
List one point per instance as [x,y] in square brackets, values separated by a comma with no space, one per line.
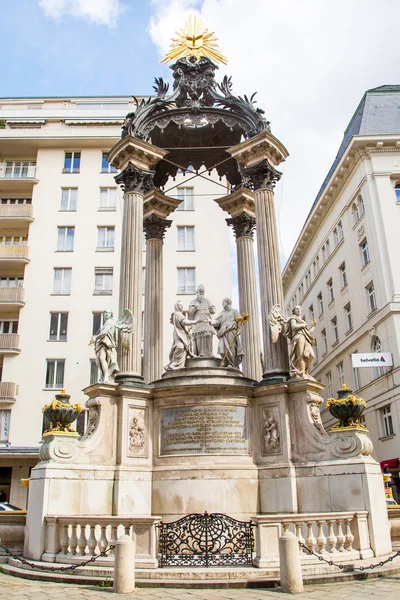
[105,343]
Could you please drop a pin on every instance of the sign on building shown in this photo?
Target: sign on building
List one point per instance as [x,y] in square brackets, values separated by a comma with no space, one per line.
[372,359]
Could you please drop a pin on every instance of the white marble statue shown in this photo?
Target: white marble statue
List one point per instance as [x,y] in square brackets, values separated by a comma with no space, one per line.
[202,310]
[227,326]
[299,333]
[105,343]
[182,339]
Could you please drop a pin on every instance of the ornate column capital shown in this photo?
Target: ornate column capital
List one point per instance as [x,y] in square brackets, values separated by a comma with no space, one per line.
[133,179]
[262,175]
[243,225]
[154,227]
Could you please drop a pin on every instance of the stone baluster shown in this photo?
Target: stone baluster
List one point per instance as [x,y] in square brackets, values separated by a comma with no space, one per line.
[243,225]
[92,542]
[321,539]
[262,178]
[114,536]
[82,540]
[135,182]
[73,540]
[154,227]
[310,539]
[103,543]
[331,538]
[299,536]
[340,536]
[64,542]
[349,535]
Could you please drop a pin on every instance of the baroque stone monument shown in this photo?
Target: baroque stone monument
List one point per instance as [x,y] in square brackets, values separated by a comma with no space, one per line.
[206,435]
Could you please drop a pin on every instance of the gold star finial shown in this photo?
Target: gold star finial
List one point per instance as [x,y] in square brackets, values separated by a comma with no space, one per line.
[194,40]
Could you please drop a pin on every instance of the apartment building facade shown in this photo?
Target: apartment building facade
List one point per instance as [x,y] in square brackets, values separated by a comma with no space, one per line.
[344,270]
[60,236]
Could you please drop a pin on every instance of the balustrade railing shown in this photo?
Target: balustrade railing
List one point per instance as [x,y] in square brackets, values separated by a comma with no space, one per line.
[322,533]
[8,390]
[15,251]
[11,294]
[16,210]
[9,341]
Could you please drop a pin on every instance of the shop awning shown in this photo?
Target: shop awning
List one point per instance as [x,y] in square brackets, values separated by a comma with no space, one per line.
[392,463]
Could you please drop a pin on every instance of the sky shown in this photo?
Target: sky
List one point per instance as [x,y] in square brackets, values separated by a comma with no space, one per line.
[309,60]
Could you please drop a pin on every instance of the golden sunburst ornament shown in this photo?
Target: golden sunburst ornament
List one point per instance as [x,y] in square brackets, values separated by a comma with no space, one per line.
[194,40]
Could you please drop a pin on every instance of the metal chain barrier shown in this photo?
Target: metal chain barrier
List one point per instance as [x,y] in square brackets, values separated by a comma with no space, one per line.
[349,568]
[92,559]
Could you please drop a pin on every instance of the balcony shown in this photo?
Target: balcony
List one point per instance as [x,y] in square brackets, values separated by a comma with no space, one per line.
[18,176]
[8,392]
[11,297]
[14,254]
[12,215]
[9,343]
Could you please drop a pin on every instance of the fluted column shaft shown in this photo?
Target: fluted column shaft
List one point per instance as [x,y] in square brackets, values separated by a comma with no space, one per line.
[250,331]
[271,291]
[130,289]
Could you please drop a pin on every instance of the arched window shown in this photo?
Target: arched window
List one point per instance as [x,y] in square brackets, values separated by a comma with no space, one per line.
[356,214]
[376,347]
[397,191]
[361,206]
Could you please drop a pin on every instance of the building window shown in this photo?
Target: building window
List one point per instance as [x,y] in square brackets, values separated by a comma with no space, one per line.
[108,198]
[94,372]
[15,201]
[340,373]
[335,237]
[364,253]
[186,238]
[105,238]
[185,194]
[397,191]
[55,373]
[316,351]
[186,280]
[103,278]
[58,327]
[356,377]
[20,169]
[14,240]
[72,162]
[8,326]
[328,249]
[361,206]
[323,253]
[105,166]
[11,282]
[81,422]
[335,331]
[69,198]
[62,282]
[356,214]
[320,304]
[387,422]
[340,231]
[143,279]
[343,275]
[329,387]
[311,309]
[324,341]
[65,239]
[331,296]
[348,315]
[376,347]
[5,418]
[371,297]
[98,321]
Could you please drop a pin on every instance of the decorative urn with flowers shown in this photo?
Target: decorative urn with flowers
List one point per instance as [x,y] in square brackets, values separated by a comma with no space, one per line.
[61,414]
[347,408]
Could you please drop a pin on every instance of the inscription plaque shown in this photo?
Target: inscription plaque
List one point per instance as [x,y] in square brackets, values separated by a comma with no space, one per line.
[203,430]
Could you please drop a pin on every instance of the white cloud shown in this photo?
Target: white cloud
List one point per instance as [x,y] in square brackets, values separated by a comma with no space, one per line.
[310,61]
[100,12]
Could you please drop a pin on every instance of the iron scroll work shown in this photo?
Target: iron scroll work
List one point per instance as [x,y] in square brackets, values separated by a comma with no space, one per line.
[209,540]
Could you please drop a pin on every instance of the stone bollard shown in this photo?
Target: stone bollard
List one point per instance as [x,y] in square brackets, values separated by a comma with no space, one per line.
[124,565]
[290,564]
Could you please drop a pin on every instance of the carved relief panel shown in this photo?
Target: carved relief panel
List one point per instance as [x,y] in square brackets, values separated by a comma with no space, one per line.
[270,430]
[137,432]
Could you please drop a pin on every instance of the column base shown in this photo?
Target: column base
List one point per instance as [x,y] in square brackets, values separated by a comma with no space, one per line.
[271,378]
[125,378]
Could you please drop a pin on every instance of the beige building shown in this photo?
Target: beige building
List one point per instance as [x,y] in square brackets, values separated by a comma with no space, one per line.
[344,269]
[60,233]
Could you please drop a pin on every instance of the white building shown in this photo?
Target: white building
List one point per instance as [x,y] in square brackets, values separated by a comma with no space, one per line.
[60,232]
[345,273]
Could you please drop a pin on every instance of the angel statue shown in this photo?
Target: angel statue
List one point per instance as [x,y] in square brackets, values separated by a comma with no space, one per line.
[300,336]
[105,343]
[182,340]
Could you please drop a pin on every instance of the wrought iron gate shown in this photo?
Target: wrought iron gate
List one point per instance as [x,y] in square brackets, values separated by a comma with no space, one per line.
[209,540]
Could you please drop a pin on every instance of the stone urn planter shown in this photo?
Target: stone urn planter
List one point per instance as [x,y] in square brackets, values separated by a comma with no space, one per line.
[61,413]
[347,408]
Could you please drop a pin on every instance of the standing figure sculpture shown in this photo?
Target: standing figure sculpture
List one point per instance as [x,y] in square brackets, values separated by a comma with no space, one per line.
[227,326]
[202,310]
[181,345]
[105,343]
[300,336]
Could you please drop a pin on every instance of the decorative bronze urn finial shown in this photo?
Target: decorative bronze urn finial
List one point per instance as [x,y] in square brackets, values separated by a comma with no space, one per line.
[347,408]
[61,414]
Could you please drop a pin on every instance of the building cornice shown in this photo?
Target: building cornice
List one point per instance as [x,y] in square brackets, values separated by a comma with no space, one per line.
[359,148]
